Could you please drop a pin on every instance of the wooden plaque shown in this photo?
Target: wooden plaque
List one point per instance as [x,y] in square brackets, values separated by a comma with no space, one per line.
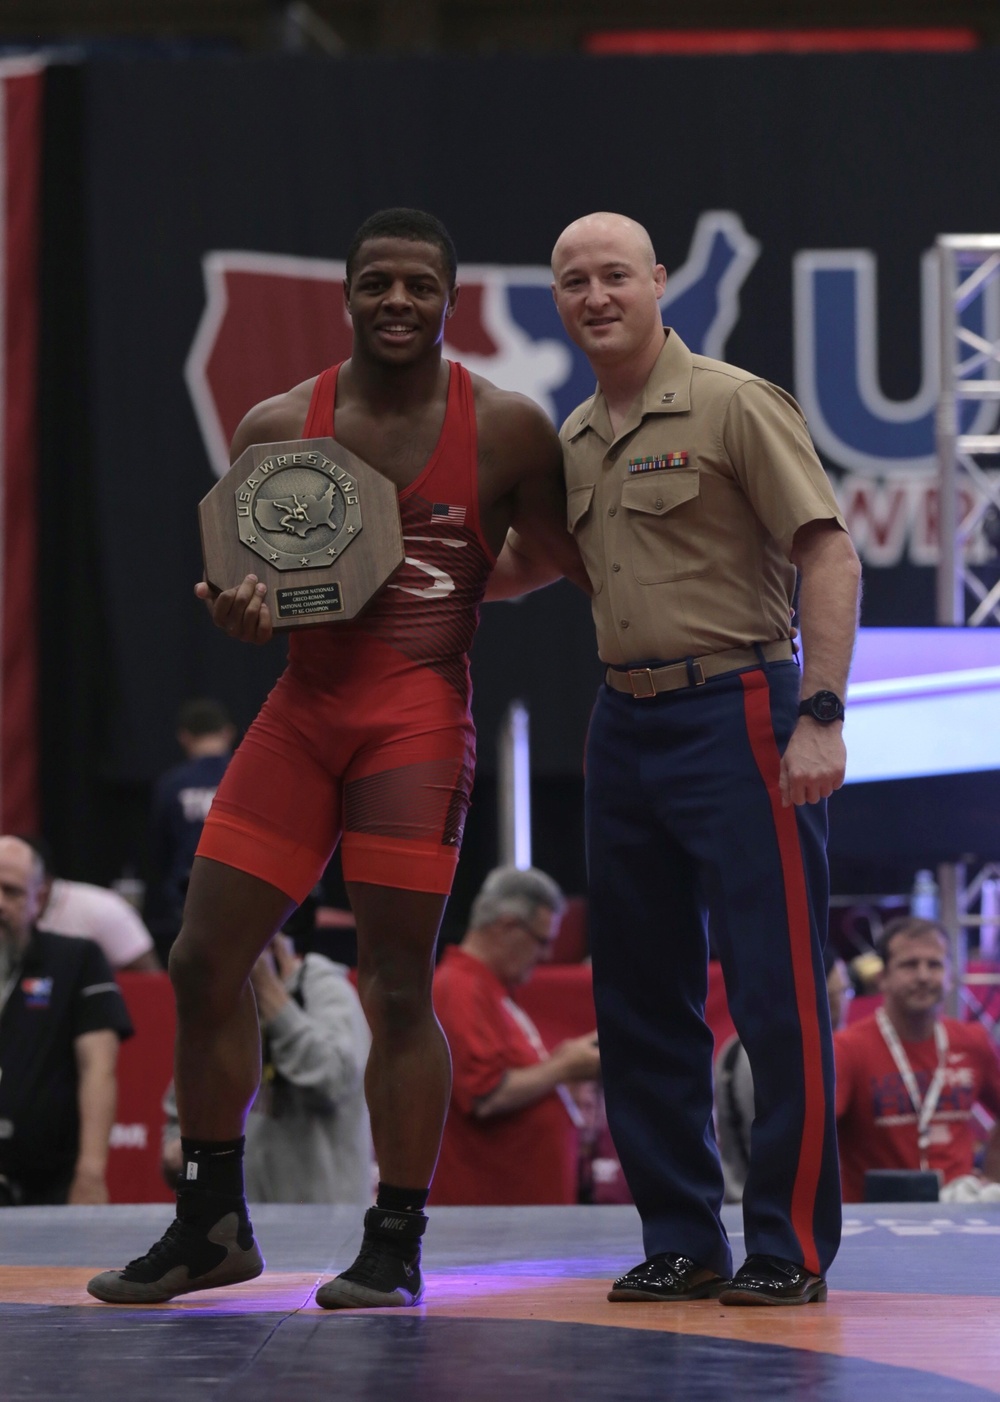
[316,524]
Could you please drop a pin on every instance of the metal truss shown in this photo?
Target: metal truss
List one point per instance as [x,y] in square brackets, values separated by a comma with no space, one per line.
[968,582]
[970,904]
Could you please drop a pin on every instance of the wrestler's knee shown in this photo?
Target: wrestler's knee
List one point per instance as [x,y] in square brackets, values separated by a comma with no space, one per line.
[395,1001]
[206,983]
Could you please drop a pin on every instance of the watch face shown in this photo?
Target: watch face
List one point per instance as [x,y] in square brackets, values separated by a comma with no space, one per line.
[825,705]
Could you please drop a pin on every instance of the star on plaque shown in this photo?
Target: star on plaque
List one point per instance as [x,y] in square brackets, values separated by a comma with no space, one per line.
[350,530]
[251,540]
[274,554]
[303,559]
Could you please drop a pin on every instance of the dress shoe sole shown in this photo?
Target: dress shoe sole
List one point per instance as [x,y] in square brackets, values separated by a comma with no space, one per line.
[708,1290]
[814,1294]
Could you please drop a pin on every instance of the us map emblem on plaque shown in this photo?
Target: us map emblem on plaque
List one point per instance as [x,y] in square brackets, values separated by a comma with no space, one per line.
[319,526]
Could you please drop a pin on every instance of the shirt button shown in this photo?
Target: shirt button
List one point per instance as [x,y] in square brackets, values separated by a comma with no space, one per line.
[612,511]
[616,567]
[624,622]
[658,503]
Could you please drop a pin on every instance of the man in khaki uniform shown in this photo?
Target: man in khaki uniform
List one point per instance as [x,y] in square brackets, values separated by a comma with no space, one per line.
[696,499]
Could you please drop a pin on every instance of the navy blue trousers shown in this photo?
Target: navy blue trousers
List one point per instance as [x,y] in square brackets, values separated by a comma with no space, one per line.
[685,829]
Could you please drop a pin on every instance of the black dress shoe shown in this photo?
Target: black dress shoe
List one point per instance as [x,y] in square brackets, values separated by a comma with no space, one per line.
[769,1280]
[667,1276]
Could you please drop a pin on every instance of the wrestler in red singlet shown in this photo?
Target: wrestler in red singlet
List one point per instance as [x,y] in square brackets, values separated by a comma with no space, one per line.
[368,732]
[366,735]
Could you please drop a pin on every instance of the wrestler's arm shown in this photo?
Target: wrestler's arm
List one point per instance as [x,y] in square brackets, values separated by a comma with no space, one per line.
[520,568]
[538,548]
[242,612]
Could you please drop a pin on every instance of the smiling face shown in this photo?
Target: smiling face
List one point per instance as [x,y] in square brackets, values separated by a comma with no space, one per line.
[607,285]
[399,298]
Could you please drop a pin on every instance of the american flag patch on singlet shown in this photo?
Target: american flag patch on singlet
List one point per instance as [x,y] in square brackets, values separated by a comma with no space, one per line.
[441,511]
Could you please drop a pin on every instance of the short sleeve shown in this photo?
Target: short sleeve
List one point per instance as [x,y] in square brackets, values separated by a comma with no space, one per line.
[98,1004]
[124,937]
[767,441]
[479,1042]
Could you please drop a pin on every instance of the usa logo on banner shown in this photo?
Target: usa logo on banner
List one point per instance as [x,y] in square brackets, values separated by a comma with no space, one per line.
[20,147]
[272,320]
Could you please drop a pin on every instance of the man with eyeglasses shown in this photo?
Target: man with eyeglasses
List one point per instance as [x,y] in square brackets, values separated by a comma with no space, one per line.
[511,1132]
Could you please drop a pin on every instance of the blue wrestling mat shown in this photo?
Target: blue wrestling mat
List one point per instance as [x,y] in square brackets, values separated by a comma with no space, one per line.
[515,1312]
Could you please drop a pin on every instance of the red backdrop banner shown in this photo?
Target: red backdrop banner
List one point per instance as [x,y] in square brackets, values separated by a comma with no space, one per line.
[20,150]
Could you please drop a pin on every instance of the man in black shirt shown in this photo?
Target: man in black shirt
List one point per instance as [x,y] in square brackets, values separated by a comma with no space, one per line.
[61,1019]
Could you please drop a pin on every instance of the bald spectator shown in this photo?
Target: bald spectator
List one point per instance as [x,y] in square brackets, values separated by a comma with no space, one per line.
[61,1020]
[511,1132]
[83,911]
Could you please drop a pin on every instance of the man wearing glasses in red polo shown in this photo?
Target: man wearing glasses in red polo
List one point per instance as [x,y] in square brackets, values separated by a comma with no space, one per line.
[511,1132]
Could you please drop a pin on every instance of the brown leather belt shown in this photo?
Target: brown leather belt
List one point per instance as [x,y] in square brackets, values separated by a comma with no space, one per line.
[644,682]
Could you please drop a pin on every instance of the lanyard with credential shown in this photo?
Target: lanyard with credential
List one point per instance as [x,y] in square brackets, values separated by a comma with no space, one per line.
[541,1051]
[926,1105]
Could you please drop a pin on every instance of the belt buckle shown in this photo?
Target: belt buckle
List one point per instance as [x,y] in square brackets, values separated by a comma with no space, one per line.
[646,672]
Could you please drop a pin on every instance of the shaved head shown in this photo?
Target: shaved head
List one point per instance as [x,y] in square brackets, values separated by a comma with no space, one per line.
[16,850]
[21,875]
[608,229]
[607,285]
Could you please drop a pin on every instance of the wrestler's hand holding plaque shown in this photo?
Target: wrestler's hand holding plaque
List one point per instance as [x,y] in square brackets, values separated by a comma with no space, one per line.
[312,521]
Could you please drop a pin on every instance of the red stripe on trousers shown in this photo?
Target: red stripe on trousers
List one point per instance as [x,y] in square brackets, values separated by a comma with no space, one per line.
[22,96]
[757,710]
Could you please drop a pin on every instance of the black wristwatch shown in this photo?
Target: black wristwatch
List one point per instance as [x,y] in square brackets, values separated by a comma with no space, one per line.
[823,706]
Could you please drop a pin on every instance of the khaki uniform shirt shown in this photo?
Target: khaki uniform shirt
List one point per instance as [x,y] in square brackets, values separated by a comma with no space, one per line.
[685,520]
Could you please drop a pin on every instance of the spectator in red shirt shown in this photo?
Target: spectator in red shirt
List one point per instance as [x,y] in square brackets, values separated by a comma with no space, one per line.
[908,1079]
[511,1132]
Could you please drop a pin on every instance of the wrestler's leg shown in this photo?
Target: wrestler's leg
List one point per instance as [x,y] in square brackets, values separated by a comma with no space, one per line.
[408,1078]
[403,822]
[229,917]
[273,823]
[407,1083]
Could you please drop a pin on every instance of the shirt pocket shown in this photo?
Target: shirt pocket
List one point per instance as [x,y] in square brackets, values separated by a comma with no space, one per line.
[668,533]
[580,519]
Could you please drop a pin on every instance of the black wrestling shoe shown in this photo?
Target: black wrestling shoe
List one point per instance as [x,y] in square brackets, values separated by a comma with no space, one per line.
[386,1273]
[667,1276]
[194,1253]
[770,1280]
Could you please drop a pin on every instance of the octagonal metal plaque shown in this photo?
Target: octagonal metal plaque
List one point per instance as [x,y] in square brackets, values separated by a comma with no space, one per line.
[312,520]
